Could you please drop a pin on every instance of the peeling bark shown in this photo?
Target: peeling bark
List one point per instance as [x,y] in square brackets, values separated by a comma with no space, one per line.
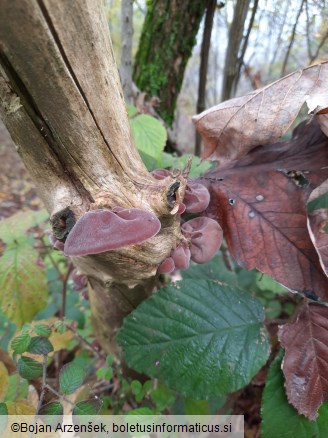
[62,103]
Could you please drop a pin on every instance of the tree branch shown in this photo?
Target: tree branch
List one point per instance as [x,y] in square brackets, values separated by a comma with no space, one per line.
[284,66]
[208,25]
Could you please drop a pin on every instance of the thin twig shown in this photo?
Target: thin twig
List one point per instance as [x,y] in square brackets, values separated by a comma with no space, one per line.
[85,341]
[64,291]
[54,263]
[60,396]
[324,38]
[245,43]
[44,382]
[308,29]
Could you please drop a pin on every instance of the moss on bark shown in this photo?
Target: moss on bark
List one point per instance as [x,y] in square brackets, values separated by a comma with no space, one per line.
[166,43]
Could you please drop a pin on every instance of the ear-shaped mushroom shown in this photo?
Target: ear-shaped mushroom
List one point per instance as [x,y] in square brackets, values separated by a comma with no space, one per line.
[166,266]
[181,256]
[103,230]
[196,198]
[205,235]
[80,281]
[56,243]
[161,173]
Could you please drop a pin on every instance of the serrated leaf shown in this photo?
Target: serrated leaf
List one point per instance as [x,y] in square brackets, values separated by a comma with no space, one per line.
[4,380]
[29,368]
[279,418]
[71,377]
[88,407]
[15,226]
[20,343]
[199,337]
[17,388]
[149,135]
[53,408]
[42,330]
[40,345]
[23,284]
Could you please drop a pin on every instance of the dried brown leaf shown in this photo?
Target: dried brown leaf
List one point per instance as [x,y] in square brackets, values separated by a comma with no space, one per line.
[233,128]
[306,359]
[323,120]
[260,202]
[318,223]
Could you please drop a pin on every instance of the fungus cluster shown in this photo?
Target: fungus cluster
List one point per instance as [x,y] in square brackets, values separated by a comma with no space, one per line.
[203,235]
[103,230]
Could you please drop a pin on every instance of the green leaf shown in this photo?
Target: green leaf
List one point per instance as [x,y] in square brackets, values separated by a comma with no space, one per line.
[215,269]
[60,326]
[15,226]
[320,202]
[197,407]
[151,163]
[3,417]
[17,388]
[20,343]
[132,110]
[88,407]
[3,409]
[53,408]
[71,376]
[162,397]
[149,135]
[40,345]
[264,282]
[198,167]
[200,337]
[110,359]
[141,411]
[23,284]
[29,368]
[136,387]
[279,418]
[42,330]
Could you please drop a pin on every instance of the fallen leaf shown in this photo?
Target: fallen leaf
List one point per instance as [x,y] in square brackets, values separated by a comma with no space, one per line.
[318,222]
[260,202]
[233,128]
[20,407]
[306,359]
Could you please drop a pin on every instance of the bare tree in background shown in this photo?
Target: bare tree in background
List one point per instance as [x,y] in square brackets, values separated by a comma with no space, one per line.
[232,54]
[126,50]
[208,25]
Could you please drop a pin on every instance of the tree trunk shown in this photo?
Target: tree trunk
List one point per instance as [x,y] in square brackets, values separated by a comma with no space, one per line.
[168,37]
[205,50]
[235,37]
[126,51]
[62,103]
